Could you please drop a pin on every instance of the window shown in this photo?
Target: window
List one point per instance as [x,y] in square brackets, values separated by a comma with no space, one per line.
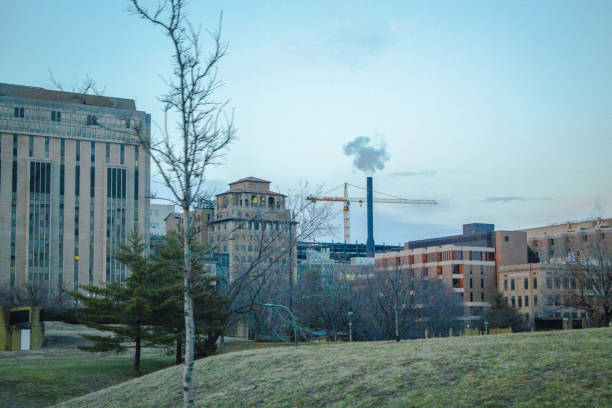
[78,150]
[19,113]
[31,146]
[481,283]
[56,116]
[505,284]
[535,283]
[511,284]
[46,147]
[77,180]
[122,155]
[513,301]
[520,302]
[535,300]
[471,297]
[92,120]
[107,152]
[549,282]
[93,152]
[92,182]
[482,296]
[470,283]
[526,301]
[526,283]
[506,238]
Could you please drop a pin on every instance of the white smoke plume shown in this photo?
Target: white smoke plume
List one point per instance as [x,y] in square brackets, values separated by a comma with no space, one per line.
[368,158]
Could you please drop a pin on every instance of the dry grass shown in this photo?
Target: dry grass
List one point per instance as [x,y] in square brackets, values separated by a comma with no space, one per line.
[553,369]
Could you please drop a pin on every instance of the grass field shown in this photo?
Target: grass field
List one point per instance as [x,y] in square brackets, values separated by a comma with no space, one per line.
[61,371]
[40,379]
[552,369]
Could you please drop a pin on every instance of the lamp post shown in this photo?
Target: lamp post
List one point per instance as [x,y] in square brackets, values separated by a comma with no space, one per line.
[292,319]
[486,327]
[350,315]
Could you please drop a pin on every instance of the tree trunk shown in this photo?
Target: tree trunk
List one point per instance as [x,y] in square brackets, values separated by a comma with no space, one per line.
[178,358]
[188,394]
[137,357]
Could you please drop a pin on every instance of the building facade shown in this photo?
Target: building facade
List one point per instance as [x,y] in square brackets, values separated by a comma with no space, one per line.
[74,184]
[557,241]
[467,263]
[251,225]
[157,218]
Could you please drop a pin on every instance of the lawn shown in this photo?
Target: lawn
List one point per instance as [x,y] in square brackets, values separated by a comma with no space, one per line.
[40,379]
[552,369]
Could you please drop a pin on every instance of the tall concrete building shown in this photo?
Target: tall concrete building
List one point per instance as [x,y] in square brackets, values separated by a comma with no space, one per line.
[73,185]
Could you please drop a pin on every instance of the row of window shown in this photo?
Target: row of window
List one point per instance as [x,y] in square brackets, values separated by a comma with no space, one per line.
[56,116]
[514,303]
[525,284]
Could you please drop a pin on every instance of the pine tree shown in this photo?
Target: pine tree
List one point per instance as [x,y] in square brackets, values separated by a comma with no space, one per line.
[122,308]
[211,308]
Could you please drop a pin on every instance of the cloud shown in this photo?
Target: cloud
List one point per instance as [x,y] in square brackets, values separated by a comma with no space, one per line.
[368,158]
[510,199]
[355,44]
[423,173]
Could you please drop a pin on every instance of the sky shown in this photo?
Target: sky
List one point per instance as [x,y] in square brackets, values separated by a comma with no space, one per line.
[499,110]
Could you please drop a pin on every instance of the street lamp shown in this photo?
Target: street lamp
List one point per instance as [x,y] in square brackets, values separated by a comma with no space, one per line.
[292,319]
[486,327]
[350,315]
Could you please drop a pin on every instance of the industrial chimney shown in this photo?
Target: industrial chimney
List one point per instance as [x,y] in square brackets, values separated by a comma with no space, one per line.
[370,240]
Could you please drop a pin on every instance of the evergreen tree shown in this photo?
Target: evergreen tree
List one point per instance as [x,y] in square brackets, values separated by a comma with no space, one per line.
[502,315]
[211,308]
[122,308]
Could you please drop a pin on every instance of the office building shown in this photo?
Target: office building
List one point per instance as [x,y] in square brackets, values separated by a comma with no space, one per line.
[74,184]
[467,263]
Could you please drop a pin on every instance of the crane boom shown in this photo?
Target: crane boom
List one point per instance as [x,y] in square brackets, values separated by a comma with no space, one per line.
[347,202]
[361,200]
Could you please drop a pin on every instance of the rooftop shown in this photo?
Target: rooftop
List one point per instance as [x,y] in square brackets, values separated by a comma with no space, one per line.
[30,92]
[251,178]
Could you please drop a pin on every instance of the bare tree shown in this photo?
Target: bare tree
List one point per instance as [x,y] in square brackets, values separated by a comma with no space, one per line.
[400,304]
[268,271]
[87,87]
[204,133]
[590,276]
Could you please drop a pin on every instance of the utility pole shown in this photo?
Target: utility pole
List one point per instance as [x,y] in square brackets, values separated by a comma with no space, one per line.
[350,313]
[396,325]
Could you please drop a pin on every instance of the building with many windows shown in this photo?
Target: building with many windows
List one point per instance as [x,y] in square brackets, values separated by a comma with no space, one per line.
[467,263]
[74,183]
[253,227]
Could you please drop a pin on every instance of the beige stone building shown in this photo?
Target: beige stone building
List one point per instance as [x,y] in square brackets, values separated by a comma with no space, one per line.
[73,185]
[253,227]
[556,241]
[201,215]
[537,289]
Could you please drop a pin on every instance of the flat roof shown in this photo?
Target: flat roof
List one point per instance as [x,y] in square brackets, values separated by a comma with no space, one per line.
[30,92]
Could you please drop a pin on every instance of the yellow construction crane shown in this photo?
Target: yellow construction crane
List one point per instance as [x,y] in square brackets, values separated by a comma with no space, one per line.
[361,200]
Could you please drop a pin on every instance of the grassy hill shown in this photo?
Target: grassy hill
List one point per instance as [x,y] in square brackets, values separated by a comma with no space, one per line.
[553,369]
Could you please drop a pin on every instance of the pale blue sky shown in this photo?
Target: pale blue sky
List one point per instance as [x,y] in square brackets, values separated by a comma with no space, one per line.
[503,109]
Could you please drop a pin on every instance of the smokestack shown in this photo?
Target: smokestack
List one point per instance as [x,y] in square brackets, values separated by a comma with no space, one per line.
[370,241]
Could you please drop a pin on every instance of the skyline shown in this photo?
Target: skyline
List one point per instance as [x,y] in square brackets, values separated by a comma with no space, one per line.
[498,111]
